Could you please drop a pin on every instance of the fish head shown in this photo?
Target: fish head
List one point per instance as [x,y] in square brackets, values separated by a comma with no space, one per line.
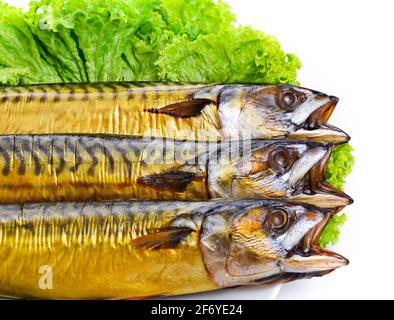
[284,111]
[276,169]
[262,242]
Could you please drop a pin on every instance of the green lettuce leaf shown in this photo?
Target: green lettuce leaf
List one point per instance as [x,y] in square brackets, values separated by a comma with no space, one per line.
[234,55]
[332,231]
[19,51]
[196,17]
[88,38]
[339,167]
[12,76]
[137,40]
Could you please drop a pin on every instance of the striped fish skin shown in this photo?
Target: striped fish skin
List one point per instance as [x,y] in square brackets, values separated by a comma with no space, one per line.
[77,168]
[118,108]
[118,250]
[207,112]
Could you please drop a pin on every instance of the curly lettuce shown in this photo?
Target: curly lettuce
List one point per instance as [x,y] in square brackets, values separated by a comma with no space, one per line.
[339,167]
[71,41]
[136,40]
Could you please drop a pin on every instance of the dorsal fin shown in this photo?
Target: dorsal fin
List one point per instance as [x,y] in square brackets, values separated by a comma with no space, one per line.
[170,180]
[165,238]
[184,109]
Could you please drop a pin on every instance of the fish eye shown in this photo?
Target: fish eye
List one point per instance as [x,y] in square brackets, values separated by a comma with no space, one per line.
[290,99]
[278,219]
[280,160]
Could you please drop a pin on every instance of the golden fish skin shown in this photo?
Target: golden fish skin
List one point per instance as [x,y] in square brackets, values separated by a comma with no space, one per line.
[101,109]
[51,168]
[209,112]
[76,168]
[89,250]
[121,250]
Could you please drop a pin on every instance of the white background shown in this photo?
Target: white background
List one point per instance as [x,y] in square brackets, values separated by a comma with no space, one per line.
[347,50]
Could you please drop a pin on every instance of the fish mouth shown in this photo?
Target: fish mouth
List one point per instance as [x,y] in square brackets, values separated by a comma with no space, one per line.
[310,258]
[316,126]
[324,112]
[305,164]
[326,196]
[315,190]
[320,261]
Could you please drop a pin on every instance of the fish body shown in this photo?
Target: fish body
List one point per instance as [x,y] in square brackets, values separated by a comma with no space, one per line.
[119,250]
[51,168]
[210,112]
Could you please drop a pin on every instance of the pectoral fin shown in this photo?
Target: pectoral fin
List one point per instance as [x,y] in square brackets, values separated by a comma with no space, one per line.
[166,238]
[184,109]
[174,181]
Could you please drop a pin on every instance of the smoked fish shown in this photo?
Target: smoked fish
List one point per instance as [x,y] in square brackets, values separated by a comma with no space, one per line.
[140,249]
[206,112]
[52,168]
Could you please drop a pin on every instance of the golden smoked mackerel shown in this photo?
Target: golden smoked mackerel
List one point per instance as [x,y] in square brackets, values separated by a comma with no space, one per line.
[134,250]
[174,111]
[50,168]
